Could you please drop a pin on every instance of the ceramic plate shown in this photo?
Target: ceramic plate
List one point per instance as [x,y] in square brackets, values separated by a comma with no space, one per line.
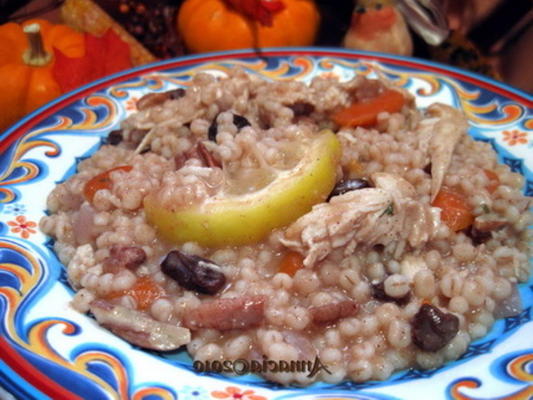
[48,350]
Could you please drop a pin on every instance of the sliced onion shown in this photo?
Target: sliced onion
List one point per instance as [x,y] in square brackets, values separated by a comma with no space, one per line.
[83,226]
[509,307]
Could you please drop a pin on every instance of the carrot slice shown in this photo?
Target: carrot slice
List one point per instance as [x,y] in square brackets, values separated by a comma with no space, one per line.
[291,262]
[101,181]
[494,180]
[456,212]
[145,291]
[365,113]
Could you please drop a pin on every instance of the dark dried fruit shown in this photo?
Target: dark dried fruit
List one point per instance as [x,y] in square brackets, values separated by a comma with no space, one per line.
[349,185]
[301,108]
[213,131]
[433,329]
[240,122]
[114,137]
[478,237]
[481,230]
[378,292]
[193,272]
[176,93]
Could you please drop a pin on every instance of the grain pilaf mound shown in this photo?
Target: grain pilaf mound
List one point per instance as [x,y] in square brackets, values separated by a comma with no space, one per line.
[414,244]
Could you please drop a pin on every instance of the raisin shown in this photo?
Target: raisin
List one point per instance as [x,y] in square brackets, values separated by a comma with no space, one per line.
[478,237]
[114,137]
[378,292]
[213,131]
[433,329]
[349,185]
[302,108]
[240,122]
[193,272]
[176,93]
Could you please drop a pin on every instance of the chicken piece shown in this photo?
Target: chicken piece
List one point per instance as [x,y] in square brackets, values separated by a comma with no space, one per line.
[338,223]
[227,314]
[421,222]
[138,328]
[438,137]
[364,217]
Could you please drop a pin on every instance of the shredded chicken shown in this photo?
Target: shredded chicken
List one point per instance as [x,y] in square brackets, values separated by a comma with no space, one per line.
[364,217]
[138,328]
[439,136]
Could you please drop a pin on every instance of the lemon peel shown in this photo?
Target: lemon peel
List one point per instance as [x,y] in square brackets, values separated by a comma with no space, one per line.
[225,219]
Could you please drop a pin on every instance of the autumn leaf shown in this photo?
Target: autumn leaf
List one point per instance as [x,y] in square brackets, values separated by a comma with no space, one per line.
[104,55]
[258,10]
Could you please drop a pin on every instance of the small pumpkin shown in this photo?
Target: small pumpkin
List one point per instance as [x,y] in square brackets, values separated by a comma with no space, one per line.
[26,61]
[216,25]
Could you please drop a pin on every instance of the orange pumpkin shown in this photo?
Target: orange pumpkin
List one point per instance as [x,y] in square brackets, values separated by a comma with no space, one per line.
[215,25]
[26,60]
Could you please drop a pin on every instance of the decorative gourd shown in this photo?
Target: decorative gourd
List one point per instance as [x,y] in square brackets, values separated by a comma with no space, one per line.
[26,60]
[215,25]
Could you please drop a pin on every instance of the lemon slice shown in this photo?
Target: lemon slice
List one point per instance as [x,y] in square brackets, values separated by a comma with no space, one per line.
[236,219]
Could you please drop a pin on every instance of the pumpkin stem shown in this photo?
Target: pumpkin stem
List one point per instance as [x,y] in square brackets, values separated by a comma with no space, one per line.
[35,55]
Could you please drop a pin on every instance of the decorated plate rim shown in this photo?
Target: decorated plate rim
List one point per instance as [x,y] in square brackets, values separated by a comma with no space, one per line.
[435,67]
[8,137]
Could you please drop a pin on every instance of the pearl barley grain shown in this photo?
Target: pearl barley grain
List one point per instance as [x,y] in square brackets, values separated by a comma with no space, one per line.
[396,285]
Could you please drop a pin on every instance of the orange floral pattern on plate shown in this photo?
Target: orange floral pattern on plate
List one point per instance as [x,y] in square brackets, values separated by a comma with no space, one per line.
[233,392]
[22,226]
[514,137]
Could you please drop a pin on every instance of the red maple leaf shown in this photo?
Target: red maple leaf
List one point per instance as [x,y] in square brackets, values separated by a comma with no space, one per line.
[104,55]
[258,10]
